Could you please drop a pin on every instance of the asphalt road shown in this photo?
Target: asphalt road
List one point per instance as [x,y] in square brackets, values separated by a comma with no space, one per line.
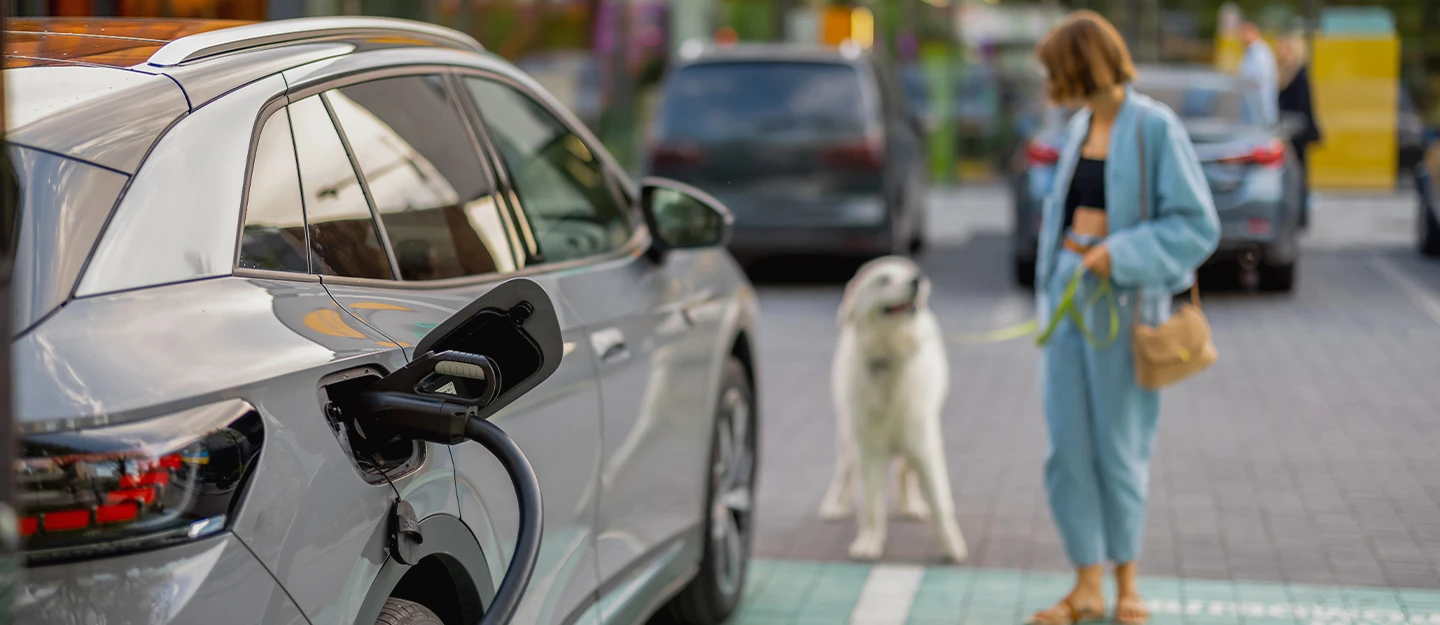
[1309,454]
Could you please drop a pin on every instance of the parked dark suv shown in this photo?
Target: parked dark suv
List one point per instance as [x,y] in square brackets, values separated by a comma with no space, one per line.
[815,150]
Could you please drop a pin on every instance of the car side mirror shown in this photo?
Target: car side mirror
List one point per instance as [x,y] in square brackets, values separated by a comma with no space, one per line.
[680,216]
[475,363]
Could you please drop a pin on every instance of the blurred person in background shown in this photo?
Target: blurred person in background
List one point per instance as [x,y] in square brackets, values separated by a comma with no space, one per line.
[1294,100]
[1258,67]
[1101,423]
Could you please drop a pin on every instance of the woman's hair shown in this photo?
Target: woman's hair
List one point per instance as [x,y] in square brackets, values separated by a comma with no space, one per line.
[1082,55]
[1294,57]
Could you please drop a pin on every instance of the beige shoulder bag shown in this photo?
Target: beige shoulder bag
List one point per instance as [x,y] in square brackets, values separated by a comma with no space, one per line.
[1180,347]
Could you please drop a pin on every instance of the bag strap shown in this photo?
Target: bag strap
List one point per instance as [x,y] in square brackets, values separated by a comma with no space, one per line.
[1145,216]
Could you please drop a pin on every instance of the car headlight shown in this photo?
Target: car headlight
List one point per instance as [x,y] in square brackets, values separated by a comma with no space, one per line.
[150,483]
[862,211]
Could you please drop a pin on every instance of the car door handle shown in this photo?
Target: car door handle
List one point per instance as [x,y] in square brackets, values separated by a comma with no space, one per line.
[688,305]
[609,345]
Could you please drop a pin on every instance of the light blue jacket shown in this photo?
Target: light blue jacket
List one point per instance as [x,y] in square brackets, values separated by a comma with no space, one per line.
[1258,67]
[1160,254]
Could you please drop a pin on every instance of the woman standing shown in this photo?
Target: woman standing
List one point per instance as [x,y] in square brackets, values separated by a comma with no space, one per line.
[1101,424]
[1295,100]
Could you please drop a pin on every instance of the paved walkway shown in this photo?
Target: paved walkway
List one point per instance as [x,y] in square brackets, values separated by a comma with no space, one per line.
[1303,471]
[837,593]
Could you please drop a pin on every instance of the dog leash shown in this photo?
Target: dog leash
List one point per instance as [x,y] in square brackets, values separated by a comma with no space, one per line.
[1066,306]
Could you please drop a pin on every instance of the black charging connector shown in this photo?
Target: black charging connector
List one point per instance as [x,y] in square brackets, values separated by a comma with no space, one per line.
[410,403]
[418,417]
[407,404]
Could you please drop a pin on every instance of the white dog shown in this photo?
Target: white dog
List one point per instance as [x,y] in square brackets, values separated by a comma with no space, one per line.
[889,380]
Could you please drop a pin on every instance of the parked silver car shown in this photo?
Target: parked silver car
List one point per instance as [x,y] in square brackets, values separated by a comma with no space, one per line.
[1252,173]
[231,232]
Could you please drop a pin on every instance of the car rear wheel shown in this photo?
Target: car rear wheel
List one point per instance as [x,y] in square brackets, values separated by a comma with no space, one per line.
[715,592]
[1429,232]
[1278,278]
[402,612]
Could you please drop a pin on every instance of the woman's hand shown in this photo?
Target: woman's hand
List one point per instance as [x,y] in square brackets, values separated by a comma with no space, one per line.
[1097,261]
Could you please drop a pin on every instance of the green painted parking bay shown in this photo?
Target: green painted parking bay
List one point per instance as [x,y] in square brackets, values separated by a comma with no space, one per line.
[784,592]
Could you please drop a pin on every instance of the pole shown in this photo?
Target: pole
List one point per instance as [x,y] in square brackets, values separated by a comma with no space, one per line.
[1132,23]
[9,527]
[780,18]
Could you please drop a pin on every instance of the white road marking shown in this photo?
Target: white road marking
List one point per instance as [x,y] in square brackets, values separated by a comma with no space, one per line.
[1423,298]
[888,593]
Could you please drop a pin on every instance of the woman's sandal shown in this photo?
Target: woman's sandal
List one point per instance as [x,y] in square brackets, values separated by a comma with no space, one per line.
[1066,613]
[1131,610]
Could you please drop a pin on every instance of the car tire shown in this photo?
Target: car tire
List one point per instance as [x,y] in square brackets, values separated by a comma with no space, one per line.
[1429,232]
[1278,278]
[402,612]
[715,592]
[1024,271]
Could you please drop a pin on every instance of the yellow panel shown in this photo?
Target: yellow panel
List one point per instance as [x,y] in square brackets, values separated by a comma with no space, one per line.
[1355,87]
[1228,52]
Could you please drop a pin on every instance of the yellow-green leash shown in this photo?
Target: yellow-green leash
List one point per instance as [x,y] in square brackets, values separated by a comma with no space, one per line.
[1066,306]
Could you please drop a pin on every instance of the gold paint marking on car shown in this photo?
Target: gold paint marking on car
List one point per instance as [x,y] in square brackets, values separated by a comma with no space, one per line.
[329,322]
[380,306]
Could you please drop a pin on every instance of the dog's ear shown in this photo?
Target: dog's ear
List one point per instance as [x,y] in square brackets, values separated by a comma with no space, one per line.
[847,304]
[848,313]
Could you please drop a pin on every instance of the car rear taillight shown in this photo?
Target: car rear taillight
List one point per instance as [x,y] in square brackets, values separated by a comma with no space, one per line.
[1269,154]
[675,155]
[1041,154]
[149,483]
[866,154]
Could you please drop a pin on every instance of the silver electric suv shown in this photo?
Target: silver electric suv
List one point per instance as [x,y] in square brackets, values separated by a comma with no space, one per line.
[231,231]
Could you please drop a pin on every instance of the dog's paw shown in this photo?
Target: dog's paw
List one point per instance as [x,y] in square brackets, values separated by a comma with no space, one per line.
[955,548]
[958,554]
[834,511]
[867,548]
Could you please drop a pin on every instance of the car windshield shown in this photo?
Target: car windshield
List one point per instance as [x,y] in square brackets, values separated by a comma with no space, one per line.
[730,101]
[1204,101]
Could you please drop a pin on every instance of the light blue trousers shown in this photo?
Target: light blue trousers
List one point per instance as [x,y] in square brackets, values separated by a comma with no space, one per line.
[1102,426]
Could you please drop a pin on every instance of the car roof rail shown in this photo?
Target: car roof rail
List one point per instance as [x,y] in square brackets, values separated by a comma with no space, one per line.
[208,44]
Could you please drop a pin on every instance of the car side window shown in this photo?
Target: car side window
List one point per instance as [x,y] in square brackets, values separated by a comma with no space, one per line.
[568,196]
[274,234]
[343,236]
[435,199]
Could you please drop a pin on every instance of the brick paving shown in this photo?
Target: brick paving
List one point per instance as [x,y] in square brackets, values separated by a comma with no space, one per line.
[1309,455]
[825,593]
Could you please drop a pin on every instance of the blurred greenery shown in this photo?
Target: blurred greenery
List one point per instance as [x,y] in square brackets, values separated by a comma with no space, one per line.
[1161,30]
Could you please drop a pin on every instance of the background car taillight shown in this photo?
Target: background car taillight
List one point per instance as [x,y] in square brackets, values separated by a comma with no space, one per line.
[663,155]
[866,154]
[149,483]
[1040,154]
[1269,154]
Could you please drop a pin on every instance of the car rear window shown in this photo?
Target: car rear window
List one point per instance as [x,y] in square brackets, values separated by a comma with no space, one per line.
[1215,102]
[63,206]
[777,100]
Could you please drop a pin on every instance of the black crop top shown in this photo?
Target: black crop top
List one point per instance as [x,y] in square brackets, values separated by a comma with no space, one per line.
[1087,187]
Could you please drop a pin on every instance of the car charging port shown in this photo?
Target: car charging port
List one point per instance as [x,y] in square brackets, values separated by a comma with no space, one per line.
[466,369]
[378,455]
